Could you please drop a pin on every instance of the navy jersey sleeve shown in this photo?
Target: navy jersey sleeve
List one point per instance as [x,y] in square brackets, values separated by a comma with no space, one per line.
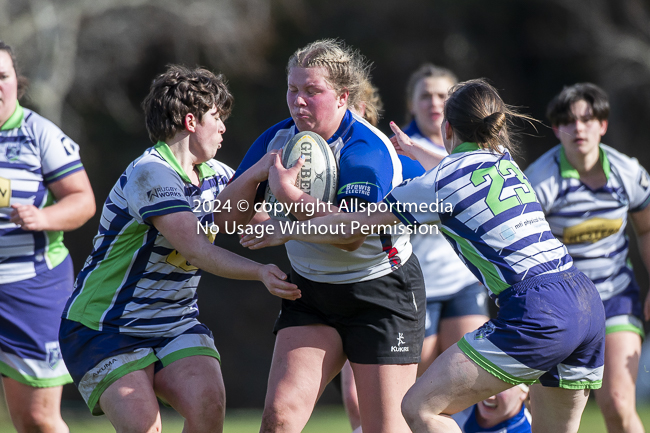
[366,170]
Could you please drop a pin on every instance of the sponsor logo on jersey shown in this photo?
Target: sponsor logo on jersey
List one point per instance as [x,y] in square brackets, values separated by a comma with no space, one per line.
[399,347]
[591,230]
[163,191]
[53,356]
[12,152]
[360,188]
[67,145]
[5,192]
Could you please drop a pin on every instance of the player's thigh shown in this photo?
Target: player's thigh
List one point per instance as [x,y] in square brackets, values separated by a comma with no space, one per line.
[305,359]
[349,394]
[130,402]
[193,386]
[452,329]
[452,383]
[622,353]
[381,389]
[556,410]
[26,401]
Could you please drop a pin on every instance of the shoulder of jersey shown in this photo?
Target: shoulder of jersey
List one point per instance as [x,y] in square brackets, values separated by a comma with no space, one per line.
[619,157]
[318,176]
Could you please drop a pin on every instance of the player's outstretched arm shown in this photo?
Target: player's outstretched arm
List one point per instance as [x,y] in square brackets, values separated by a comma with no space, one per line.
[641,223]
[181,230]
[334,229]
[405,146]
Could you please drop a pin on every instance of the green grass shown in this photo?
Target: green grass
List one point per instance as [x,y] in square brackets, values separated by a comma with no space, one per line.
[324,420]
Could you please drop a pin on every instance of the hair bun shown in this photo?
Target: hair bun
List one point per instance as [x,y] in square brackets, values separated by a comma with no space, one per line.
[491,126]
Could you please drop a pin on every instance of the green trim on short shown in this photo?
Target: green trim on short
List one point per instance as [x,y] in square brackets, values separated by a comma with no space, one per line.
[625,327]
[580,384]
[34,382]
[114,375]
[190,351]
[491,368]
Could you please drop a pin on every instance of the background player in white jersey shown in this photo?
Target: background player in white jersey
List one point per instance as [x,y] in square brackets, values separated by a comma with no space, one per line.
[456,301]
[363,302]
[550,326]
[44,191]
[587,190]
[130,331]
[504,412]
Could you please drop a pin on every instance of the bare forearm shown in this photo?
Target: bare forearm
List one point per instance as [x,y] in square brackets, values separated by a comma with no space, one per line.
[69,213]
[221,262]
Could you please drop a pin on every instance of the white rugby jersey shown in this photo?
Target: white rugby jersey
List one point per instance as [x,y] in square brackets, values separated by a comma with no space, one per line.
[134,281]
[487,210]
[368,169]
[33,153]
[591,223]
[444,273]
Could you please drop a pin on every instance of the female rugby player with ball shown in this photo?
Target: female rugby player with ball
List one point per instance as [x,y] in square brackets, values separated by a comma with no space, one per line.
[363,302]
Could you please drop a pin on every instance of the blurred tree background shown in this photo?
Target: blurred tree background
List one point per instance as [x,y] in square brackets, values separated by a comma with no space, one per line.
[90,63]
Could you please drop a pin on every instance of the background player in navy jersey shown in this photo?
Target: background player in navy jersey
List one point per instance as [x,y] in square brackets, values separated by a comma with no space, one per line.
[358,302]
[44,191]
[504,412]
[130,332]
[550,326]
[587,190]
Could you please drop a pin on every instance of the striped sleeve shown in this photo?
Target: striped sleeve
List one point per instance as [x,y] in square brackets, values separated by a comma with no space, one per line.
[153,190]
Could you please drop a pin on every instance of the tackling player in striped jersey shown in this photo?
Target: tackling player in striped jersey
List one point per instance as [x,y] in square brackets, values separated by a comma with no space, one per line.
[130,331]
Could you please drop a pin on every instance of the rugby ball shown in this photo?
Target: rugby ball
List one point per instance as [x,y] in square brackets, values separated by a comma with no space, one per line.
[318,176]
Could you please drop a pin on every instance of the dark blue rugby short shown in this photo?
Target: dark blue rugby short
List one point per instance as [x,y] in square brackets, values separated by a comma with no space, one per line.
[549,329]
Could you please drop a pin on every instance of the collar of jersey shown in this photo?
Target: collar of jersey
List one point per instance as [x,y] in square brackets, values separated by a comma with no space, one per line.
[466,147]
[567,170]
[15,119]
[343,128]
[204,169]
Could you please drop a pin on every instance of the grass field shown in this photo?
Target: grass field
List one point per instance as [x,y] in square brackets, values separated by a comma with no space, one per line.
[324,420]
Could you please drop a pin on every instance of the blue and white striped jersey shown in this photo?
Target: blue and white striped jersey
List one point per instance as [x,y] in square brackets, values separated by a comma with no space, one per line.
[34,152]
[591,223]
[444,273]
[488,211]
[368,169]
[134,281]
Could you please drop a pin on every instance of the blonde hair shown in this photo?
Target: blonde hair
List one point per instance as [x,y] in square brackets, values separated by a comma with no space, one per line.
[347,69]
[369,104]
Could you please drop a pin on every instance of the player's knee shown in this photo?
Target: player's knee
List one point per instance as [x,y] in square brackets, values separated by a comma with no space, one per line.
[412,409]
[617,406]
[208,416]
[36,421]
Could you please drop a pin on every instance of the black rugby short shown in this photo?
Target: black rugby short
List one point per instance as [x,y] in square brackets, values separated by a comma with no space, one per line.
[380,321]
